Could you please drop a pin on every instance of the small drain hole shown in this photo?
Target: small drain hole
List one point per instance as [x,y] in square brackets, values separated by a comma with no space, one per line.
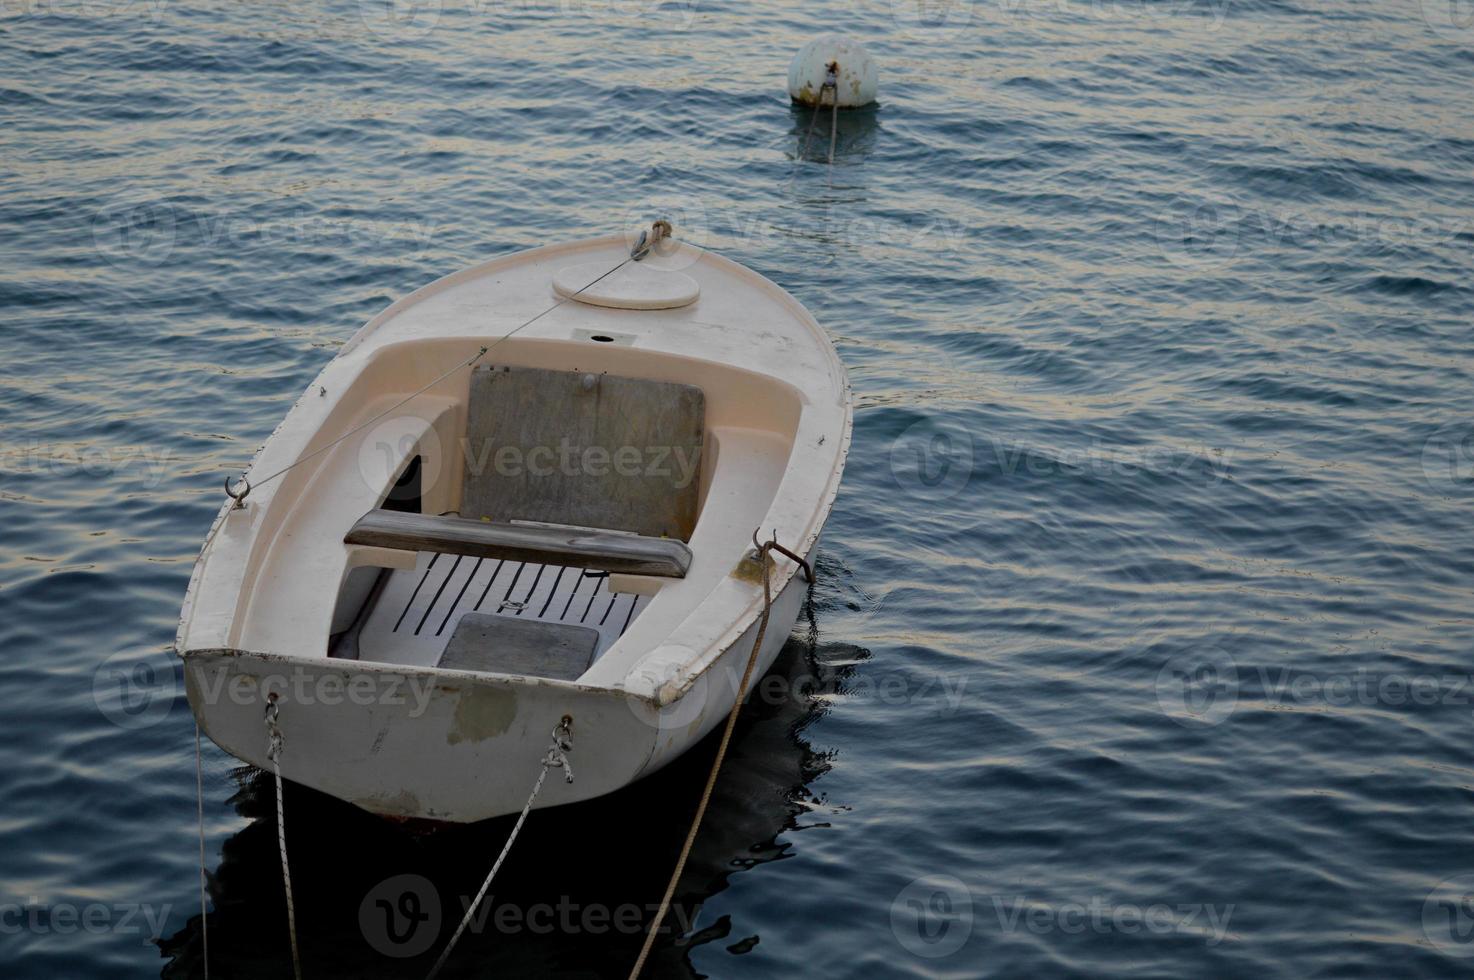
[601,338]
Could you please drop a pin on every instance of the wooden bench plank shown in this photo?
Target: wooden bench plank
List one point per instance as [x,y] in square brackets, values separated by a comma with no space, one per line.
[600,550]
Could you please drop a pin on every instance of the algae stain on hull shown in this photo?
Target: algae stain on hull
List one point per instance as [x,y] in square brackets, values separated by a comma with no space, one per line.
[482,713]
[401,804]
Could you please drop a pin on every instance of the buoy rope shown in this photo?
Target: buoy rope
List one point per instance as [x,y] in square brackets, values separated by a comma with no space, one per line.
[199,793]
[274,742]
[716,766]
[833,129]
[557,758]
[240,498]
[830,85]
[804,152]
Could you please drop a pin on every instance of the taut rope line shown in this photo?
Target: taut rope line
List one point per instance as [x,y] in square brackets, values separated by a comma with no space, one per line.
[831,85]
[273,753]
[199,792]
[557,758]
[716,766]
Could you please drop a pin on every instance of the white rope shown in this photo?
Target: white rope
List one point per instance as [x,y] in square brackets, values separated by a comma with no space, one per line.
[557,757]
[199,790]
[273,752]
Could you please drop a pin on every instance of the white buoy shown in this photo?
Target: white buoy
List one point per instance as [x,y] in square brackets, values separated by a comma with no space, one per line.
[855,76]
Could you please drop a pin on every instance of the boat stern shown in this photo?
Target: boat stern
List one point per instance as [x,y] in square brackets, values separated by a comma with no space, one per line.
[418,743]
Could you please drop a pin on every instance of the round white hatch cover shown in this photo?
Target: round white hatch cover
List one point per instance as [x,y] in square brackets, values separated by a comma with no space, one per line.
[634,287]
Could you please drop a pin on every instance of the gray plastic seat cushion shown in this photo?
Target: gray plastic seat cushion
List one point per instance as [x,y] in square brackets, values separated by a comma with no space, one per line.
[507,645]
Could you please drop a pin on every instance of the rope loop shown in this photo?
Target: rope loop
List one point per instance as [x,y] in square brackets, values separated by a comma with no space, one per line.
[659,231]
[274,738]
[557,757]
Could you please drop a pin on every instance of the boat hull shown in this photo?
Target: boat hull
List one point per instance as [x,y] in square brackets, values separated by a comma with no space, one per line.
[457,746]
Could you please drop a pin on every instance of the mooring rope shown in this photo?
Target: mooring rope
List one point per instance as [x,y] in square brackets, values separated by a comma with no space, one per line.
[199,792]
[833,129]
[557,758]
[830,85]
[274,742]
[716,766]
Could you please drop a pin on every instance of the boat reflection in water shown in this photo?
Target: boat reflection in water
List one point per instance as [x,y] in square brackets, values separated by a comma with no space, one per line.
[380,899]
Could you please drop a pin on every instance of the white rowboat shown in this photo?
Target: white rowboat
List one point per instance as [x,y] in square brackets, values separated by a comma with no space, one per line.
[444,552]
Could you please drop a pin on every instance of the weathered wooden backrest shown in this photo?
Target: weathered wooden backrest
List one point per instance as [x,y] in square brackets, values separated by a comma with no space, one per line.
[592,450]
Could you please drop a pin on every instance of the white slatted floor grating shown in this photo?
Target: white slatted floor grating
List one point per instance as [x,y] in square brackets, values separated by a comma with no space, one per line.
[416,611]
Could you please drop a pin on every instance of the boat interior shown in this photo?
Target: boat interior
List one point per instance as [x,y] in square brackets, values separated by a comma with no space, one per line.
[560,510]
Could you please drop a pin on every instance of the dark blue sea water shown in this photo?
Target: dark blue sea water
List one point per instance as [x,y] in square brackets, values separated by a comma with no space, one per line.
[1142,639]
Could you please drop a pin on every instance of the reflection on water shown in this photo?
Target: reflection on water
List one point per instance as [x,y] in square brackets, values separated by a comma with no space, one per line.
[853,132]
[377,898]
